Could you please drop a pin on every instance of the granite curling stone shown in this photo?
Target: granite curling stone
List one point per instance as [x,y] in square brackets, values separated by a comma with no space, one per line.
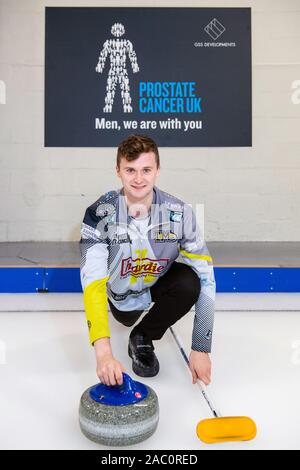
[119,415]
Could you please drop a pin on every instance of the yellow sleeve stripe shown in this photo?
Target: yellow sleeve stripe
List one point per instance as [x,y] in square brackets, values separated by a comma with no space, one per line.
[194,255]
[95,305]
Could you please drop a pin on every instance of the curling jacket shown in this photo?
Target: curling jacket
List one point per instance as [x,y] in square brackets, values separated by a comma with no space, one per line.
[120,262]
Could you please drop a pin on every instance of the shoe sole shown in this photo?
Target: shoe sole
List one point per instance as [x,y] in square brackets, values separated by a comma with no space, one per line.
[140,372]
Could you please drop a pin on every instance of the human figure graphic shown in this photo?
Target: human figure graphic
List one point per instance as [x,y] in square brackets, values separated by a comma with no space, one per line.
[117,49]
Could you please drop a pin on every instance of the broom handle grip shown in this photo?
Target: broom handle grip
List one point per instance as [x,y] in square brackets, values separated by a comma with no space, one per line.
[200,383]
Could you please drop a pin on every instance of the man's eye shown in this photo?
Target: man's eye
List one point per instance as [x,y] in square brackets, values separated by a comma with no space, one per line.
[147,170]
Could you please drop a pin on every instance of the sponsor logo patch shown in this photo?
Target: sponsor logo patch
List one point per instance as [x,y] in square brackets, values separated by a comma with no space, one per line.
[143,266]
[165,236]
[119,239]
[208,334]
[175,216]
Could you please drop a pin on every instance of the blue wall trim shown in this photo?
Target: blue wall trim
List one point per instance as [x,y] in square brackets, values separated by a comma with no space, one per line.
[257,279]
[21,279]
[228,279]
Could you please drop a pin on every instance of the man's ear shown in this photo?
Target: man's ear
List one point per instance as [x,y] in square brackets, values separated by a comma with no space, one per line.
[118,171]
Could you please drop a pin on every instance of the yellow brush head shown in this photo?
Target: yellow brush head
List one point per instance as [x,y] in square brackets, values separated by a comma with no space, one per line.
[230,428]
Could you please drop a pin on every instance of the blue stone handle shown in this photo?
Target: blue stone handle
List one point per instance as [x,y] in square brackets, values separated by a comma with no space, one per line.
[128,387]
[126,394]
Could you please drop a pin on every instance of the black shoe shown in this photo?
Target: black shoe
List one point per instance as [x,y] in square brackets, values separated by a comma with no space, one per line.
[144,361]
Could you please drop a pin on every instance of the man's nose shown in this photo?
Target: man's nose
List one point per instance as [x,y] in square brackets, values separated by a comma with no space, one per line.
[138,177]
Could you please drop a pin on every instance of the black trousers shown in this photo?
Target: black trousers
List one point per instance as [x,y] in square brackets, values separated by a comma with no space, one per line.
[173,295]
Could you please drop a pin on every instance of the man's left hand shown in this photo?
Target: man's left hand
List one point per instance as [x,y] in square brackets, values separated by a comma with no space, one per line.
[200,366]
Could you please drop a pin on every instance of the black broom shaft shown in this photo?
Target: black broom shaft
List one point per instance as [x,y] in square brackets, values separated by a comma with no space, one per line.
[183,353]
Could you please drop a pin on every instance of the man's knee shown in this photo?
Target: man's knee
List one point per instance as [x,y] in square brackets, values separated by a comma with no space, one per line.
[125,318]
[129,322]
[189,283]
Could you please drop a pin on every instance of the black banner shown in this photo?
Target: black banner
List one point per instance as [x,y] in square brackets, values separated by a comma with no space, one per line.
[180,75]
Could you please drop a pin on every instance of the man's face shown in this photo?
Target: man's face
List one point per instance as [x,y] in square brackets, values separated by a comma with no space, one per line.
[138,176]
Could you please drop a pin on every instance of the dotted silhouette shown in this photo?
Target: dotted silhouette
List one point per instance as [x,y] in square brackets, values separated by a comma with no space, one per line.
[117,49]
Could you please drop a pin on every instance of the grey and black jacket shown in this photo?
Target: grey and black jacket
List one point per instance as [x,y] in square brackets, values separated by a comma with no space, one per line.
[121,263]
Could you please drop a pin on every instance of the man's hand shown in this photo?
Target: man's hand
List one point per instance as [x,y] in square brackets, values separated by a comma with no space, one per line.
[200,366]
[109,370]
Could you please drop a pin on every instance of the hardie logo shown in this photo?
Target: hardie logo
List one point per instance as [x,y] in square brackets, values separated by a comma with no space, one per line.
[214,29]
[143,266]
[117,50]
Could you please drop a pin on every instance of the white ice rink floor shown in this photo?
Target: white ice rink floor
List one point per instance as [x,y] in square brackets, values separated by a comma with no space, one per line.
[46,363]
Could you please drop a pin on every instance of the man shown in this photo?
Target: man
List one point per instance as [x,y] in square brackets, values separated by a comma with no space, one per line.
[130,242]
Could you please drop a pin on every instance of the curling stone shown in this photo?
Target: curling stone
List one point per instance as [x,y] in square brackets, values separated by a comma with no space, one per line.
[119,415]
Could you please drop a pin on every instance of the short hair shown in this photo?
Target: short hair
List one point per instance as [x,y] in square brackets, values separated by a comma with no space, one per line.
[134,145]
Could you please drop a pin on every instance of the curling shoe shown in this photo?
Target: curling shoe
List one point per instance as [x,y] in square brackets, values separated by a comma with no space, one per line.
[144,360]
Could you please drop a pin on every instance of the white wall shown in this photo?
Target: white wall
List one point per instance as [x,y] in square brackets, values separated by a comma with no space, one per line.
[249,193]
